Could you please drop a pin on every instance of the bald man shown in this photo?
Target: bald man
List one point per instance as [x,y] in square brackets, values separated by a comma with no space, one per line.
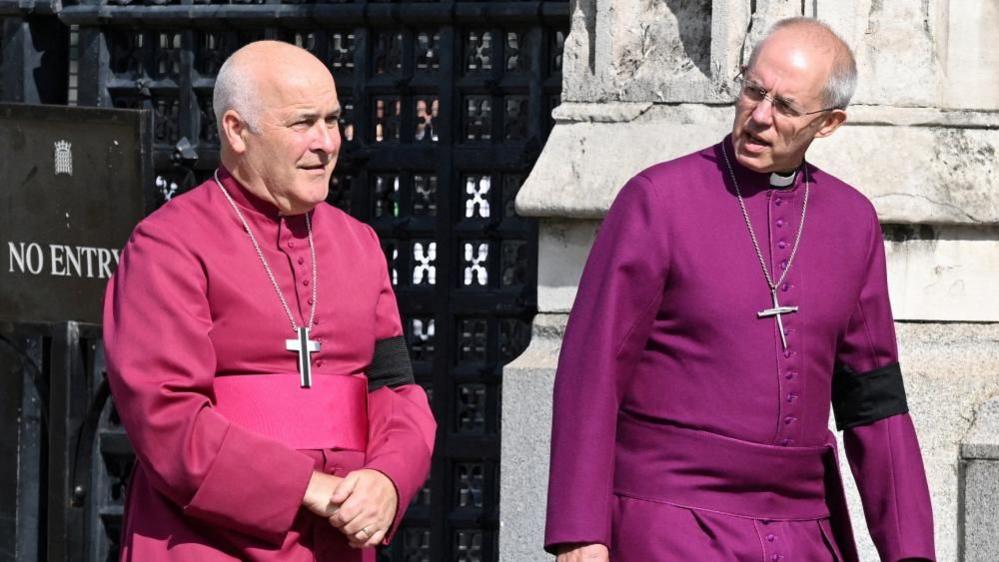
[254,346]
[730,298]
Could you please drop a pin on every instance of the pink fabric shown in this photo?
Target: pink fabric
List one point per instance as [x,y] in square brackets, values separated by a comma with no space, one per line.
[664,328]
[325,417]
[190,300]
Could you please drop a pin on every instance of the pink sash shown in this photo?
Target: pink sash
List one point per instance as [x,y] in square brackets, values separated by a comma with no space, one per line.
[333,414]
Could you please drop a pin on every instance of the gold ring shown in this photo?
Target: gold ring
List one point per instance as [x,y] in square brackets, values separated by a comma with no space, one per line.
[367,535]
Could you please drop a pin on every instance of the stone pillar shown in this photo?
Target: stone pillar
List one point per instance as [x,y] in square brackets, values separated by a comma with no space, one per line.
[650,81]
[979,492]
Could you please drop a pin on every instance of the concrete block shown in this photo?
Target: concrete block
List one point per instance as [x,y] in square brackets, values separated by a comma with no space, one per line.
[917,166]
[563,249]
[526,443]
[972,72]
[979,487]
[943,273]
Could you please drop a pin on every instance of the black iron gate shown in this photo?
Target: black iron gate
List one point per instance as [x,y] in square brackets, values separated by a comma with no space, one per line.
[446,107]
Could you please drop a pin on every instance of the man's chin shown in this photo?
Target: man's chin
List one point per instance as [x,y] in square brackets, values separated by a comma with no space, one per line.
[760,163]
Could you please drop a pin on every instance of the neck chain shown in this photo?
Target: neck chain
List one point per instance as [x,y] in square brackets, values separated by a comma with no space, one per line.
[270,274]
[777,309]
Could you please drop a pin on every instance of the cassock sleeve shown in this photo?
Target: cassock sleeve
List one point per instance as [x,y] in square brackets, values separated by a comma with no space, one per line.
[161,366]
[620,290]
[869,405]
[401,425]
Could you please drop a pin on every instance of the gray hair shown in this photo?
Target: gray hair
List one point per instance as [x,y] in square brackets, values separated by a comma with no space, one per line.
[235,89]
[842,81]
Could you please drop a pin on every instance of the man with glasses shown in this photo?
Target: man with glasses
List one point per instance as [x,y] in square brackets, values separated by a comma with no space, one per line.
[730,297]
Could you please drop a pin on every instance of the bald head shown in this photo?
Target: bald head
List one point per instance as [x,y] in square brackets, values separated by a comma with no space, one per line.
[248,76]
[818,42]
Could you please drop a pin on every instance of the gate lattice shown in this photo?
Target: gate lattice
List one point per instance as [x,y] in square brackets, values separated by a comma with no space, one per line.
[446,107]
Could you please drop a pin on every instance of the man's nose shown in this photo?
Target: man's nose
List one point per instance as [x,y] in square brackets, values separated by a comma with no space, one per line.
[763,113]
[327,139]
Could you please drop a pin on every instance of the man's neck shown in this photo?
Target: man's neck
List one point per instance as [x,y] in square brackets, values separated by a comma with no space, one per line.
[251,183]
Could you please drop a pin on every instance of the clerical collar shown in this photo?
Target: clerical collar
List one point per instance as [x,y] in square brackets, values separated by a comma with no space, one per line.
[781,181]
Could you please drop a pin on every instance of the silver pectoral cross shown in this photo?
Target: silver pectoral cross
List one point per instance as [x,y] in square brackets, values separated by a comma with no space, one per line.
[304,347]
[777,311]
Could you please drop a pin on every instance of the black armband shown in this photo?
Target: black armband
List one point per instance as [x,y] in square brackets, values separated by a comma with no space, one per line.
[864,398]
[390,365]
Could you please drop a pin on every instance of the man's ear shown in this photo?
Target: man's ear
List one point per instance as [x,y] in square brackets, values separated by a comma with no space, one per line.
[833,120]
[234,129]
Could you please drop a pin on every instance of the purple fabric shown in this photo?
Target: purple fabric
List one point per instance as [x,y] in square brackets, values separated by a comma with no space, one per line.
[664,328]
[709,471]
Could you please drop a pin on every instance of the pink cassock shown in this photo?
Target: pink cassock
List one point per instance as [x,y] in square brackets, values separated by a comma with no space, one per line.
[683,429]
[225,436]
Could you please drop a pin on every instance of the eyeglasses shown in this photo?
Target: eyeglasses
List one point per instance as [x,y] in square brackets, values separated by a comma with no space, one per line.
[753,91]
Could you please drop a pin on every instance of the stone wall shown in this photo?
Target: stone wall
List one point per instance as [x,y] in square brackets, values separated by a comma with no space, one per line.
[649,80]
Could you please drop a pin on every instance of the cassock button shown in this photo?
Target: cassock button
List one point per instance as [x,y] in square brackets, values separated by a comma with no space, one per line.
[791,396]
[291,243]
[786,441]
[778,201]
[777,557]
[319,362]
[785,287]
[305,282]
[310,300]
[788,353]
[783,264]
[790,375]
[780,223]
[782,244]
[789,420]
[301,261]
[771,537]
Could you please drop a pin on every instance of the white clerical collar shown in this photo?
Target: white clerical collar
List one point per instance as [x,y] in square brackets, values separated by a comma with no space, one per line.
[779,181]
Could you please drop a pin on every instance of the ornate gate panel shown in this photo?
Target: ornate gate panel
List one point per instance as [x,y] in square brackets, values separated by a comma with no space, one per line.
[446,107]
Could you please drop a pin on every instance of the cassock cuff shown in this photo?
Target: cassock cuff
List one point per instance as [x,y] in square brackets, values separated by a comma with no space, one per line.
[400,442]
[260,497]
[390,365]
[864,398]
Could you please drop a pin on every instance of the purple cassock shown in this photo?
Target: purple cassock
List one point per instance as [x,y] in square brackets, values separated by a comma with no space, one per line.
[683,428]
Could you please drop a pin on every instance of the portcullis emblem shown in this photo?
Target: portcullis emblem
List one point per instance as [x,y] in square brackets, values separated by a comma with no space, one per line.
[63,158]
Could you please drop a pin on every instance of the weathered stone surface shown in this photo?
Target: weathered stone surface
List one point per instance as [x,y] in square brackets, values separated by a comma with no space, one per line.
[972,59]
[944,273]
[942,175]
[634,50]
[583,164]
[917,166]
[981,511]
[565,246]
[980,486]
[526,441]
[897,46]
[982,442]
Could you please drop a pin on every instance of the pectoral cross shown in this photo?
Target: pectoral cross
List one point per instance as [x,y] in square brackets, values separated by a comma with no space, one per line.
[304,347]
[776,311]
